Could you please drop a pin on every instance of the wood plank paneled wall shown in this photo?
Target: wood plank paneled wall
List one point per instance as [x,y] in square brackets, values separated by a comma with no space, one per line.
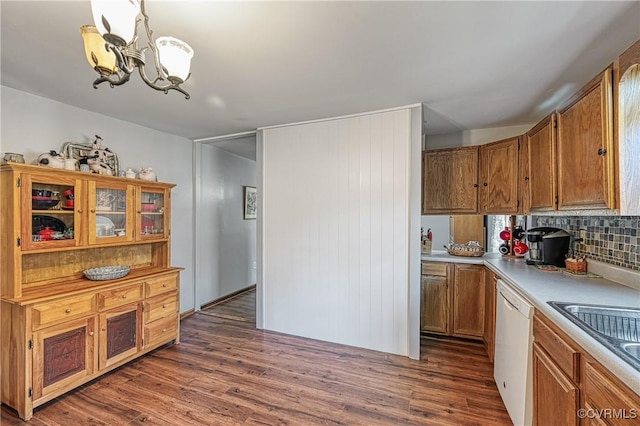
[335,230]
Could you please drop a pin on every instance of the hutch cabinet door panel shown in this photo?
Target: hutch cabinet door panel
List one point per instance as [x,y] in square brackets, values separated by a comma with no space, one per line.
[120,334]
[51,218]
[63,355]
[152,214]
[110,213]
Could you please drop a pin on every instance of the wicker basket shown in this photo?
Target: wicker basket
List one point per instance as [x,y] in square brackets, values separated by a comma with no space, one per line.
[465,250]
[426,246]
[106,272]
[576,267]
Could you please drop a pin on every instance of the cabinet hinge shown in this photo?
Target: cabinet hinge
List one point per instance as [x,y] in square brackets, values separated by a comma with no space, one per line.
[518,203]
[30,344]
[555,124]
[518,145]
[19,182]
[19,241]
[556,199]
[30,393]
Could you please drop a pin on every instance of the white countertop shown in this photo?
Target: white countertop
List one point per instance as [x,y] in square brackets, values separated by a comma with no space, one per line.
[540,287]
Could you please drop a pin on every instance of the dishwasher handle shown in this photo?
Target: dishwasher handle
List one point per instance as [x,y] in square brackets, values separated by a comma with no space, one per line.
[514,299]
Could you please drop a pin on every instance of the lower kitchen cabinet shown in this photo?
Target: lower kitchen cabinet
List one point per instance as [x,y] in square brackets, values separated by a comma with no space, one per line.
[468,301]
[556,398]
[452,299]
[490,313]
[435,298]
[569,384]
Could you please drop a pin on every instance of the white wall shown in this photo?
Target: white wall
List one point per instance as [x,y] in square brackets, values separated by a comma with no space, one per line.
[225,242]
[334,224]
[440,228]
[32,125]
[475,136]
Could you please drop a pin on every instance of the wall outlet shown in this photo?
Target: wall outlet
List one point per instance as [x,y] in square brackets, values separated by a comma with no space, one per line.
[583,235]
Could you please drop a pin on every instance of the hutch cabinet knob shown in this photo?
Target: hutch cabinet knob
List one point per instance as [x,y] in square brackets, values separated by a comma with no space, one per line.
[602,151]
[91,333]
[67,311]
[124,296]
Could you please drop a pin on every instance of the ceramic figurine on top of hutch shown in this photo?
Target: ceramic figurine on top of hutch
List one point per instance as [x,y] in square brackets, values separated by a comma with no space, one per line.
[70,222]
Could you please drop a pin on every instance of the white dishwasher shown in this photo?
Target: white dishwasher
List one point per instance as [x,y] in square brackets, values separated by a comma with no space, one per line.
[513,357]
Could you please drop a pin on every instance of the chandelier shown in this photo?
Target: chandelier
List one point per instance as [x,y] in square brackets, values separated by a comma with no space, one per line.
[112,48]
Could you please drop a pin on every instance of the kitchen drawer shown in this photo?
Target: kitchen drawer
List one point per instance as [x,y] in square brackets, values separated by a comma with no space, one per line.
[160,307]
[119,296]
[433,268]
[56,312]
[160,331]
[562,352]
[155,286]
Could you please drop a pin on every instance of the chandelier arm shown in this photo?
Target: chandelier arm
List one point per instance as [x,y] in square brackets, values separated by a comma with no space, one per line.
[123,78]
[165,89]
[152,45]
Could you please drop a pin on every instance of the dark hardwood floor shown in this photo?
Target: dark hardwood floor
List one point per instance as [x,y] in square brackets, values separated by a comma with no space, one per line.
[226,372]
[241,307]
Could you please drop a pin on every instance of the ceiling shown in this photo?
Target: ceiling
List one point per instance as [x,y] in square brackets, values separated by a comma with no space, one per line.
[472,64]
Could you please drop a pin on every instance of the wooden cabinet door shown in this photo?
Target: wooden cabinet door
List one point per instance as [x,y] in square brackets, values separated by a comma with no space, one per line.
[468,301]
[434,304]
[499,183]
[523,176]
[601,391]
[63,356]
[450,181]
[467,227]
[152,213]
[49,209]
[541,147]
[555,397]
[110,213]
[120,334]
[585,148]
[490,313]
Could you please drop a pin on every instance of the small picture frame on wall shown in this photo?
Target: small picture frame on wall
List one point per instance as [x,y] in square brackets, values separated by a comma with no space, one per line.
[250,202]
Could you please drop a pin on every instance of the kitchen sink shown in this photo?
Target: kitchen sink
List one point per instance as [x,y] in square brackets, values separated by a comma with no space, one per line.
[615,327]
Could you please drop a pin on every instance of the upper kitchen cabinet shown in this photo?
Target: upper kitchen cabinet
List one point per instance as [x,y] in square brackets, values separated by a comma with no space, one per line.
[450,181]
[499,177]
[585,148]
[541,147]
[627,93]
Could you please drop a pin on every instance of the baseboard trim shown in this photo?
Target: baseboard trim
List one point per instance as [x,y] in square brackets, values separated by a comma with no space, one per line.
[228,296]
[187,314]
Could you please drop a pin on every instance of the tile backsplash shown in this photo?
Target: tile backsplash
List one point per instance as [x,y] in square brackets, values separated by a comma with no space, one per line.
[610,239]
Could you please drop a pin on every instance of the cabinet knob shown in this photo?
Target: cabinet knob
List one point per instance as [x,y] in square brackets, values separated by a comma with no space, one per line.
[164,306]
[139,211]
[80,211]
[164,330]
[124,296]
[475,185]
[91,333]
[485,184]
[67,311]
[92,210]
[104,329]
[526,178]
[602,151]
[164,285]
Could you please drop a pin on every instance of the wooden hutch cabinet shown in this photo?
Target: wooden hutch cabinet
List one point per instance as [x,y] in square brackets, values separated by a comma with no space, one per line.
[59,329]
